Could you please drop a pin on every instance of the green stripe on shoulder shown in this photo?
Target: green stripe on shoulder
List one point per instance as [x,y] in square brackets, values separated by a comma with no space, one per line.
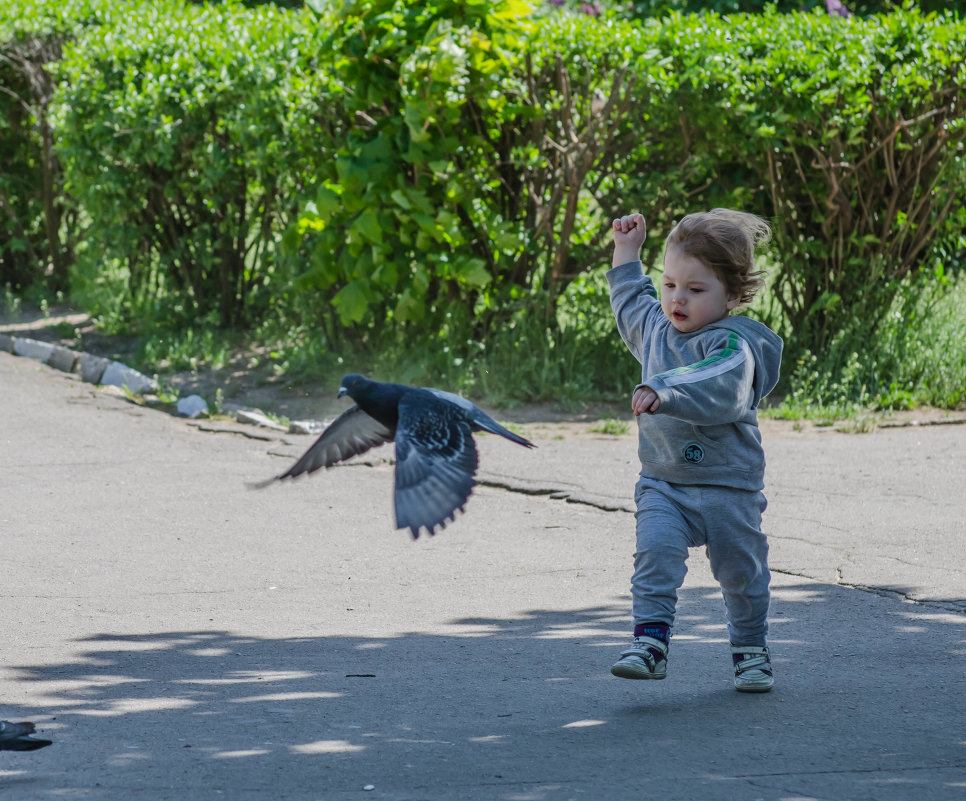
[730,349]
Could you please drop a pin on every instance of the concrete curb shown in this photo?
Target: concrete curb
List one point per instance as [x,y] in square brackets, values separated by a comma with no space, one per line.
[92,369]
[101,371]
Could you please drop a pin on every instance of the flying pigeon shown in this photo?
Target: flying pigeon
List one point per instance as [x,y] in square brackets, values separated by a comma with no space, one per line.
[436,456]
[16,737]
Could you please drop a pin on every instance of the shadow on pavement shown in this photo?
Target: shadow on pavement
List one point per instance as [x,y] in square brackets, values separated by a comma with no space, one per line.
[868,703]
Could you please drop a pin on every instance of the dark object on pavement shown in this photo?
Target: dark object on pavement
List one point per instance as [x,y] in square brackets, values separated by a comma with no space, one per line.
[16,737]
[436,456]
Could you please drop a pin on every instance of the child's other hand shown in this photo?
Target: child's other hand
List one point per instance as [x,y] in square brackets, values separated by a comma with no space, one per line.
[645,401]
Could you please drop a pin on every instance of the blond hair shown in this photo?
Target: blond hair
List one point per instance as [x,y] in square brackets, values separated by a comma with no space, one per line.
[725,241]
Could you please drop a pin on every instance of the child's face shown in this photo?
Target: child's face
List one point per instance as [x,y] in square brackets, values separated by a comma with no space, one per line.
[692,296]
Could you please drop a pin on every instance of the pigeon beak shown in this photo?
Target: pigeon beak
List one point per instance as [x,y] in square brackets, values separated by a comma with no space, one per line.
[342,391]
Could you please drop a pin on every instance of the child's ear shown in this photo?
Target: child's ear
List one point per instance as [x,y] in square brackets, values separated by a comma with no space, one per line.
[733,302]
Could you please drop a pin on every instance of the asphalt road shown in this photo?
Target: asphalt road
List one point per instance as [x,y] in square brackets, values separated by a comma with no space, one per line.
[180,636]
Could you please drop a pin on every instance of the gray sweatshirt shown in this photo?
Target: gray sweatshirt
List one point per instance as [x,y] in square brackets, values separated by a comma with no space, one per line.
[709,383]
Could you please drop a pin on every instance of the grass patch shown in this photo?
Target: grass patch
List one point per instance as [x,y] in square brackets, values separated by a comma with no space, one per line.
[610,426]
[915,357]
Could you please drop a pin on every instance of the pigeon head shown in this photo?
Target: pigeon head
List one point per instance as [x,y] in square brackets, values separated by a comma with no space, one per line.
[379,401]
[352,384]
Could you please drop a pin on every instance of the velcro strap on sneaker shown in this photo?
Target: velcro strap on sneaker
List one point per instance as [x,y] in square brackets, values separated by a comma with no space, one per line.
[751,664]
[642,653]
[648,649]
[651,644]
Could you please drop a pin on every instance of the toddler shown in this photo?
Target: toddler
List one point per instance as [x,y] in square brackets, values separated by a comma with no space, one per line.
[704,371]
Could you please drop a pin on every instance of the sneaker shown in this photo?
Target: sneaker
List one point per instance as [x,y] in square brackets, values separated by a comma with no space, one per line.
[752,669]
[645,659]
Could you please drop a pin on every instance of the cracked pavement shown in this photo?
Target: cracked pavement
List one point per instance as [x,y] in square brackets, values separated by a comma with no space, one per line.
[180,636]
[884,511]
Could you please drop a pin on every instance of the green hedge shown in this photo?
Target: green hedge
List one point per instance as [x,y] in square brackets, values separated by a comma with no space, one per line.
[399,220]
[856,157]
[385,172]
[38,219]
[504,187]
[34,241]
[188,134]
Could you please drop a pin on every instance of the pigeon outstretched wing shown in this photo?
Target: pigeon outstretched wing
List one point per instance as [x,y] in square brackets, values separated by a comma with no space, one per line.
[436,460]
[16,737]
[351,433]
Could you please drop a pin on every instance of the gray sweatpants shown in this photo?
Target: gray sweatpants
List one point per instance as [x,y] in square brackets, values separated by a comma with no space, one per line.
[672,518]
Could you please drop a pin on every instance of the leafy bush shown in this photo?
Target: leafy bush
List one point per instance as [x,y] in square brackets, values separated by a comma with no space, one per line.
[861,158]
[35,214]
[497,181]
[419,91]
[918,357]
[482,158]
[187,134]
